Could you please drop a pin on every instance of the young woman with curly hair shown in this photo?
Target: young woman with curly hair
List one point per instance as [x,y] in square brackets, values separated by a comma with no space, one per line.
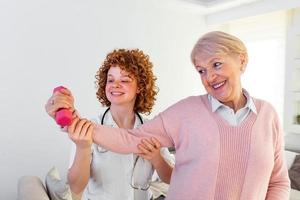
[138,66]
[126,86]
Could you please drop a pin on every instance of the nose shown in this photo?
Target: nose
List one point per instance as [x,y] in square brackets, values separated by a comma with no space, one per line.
[210,75]
[116,84]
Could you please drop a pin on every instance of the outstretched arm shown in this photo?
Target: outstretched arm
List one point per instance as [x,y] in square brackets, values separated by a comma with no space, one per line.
[114,139]
[127,140]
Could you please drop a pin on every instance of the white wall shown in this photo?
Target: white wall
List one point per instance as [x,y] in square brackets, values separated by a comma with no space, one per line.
[48,43]
[249,10]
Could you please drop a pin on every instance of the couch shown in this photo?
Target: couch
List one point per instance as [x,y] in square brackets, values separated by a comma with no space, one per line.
[54,188]
[290,157]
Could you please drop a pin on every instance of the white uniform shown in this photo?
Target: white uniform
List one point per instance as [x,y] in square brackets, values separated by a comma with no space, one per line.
[111,172]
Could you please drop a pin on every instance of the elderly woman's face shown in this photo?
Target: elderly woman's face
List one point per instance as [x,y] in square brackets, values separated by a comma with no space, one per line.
[221,75]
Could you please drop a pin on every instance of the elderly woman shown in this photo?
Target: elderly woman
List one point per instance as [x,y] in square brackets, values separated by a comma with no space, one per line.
[228,144]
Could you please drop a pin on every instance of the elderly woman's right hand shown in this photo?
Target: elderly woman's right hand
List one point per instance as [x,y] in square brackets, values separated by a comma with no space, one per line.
[80,132]
[61,99]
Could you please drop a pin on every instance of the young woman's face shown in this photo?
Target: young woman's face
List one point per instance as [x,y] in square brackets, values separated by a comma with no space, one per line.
[121,87]
[221,76]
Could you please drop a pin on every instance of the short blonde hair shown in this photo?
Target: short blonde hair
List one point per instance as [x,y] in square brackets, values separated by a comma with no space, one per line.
[137,63]
[219,43]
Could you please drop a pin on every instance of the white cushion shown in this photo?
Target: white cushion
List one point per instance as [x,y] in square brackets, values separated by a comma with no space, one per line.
[57,188]
[31,188]
[289,158]
[294,195]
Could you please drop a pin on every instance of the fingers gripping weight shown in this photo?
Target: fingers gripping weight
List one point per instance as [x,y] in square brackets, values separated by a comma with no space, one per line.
[63,116]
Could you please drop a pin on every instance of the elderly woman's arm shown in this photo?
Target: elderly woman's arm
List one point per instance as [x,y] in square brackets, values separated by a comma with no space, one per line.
[279,185]
[126,140]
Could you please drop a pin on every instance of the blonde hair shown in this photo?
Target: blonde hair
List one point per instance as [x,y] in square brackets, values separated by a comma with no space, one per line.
[219,43]
[137,63]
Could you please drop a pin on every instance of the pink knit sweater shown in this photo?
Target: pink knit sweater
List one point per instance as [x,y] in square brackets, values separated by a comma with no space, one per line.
[213,159]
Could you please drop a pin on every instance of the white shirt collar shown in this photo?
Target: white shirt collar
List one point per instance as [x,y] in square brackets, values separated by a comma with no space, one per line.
[108,120]
[215,104]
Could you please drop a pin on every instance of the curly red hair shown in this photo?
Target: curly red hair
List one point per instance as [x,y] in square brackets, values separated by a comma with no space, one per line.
[136,63]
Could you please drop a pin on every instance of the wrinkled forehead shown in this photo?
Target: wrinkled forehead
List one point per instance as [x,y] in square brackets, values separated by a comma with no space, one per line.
[205,58]
[206,48]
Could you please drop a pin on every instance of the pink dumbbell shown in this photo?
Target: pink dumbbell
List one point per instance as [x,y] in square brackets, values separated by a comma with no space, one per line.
[63,116]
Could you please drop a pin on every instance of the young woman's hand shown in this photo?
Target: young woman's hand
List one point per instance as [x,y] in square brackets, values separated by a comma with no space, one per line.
[150,150]
[60,99]
[80,132]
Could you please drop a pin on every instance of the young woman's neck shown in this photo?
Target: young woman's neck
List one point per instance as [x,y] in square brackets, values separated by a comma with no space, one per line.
[124,116]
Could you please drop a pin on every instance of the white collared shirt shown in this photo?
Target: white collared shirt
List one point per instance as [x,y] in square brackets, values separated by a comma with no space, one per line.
[228,113]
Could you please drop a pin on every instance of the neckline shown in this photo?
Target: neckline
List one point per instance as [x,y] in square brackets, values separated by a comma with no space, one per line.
[250,119]
[107,119]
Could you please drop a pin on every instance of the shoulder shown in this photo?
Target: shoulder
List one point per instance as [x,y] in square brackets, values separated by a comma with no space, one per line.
[188,102]
[191,99]
[264,106]
[267,113]
[145,119]
[98,118]
[188,106]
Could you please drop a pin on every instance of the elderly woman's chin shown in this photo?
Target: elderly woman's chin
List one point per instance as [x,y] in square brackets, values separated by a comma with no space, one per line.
[219,93]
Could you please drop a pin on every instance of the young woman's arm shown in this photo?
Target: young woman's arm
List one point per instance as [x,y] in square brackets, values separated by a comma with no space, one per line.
[79,172]
[152,151]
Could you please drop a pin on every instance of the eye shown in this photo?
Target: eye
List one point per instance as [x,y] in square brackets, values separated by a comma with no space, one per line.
[218,65]
[125,80]
[110,80]
[201,71]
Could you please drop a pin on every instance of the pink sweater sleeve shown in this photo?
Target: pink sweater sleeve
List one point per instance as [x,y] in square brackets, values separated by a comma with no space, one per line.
[279,185]
[125,140]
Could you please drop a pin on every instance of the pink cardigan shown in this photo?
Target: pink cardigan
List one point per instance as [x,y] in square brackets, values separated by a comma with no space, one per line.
[213,159]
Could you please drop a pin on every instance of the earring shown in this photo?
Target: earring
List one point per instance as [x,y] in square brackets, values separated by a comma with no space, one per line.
[242,68]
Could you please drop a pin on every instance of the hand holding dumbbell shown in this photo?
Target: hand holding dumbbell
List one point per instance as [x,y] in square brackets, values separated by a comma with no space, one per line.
[63,116]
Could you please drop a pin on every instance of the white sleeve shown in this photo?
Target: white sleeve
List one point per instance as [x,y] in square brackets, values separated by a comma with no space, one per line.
[169,158]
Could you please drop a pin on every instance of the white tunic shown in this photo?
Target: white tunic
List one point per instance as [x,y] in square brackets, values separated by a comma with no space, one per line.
[111,172]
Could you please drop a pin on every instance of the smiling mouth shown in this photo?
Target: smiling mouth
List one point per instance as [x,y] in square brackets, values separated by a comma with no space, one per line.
[116,93]
[218,85]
